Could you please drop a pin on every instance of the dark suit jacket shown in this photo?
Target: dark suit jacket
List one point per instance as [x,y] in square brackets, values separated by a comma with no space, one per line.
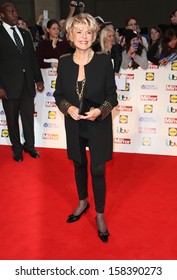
[99,87]
[13,64]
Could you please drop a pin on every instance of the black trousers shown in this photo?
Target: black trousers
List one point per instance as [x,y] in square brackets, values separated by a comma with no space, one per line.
[23,106]
[97,175]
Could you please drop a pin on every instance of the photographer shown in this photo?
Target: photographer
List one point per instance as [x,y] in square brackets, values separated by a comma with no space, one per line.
[76,7]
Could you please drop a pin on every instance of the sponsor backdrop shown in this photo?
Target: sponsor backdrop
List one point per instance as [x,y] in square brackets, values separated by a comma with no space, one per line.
[146,118]
[144,122]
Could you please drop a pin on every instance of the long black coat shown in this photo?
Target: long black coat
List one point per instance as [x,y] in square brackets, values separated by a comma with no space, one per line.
[99,87]
[13,64]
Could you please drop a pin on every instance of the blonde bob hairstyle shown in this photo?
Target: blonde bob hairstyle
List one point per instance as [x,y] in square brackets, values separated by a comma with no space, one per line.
[81,19]
[104,34]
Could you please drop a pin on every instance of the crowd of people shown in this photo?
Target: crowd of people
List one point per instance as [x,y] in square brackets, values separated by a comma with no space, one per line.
[157,46]
[50,40]
[83,46]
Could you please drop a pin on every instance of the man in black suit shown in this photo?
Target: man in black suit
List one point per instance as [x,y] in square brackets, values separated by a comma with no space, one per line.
[19,74]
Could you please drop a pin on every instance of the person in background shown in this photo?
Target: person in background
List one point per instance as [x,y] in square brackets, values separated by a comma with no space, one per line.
[117,35]
[100,25]
[155,35]
[169,47]
[22,24]
[19,72]
[107,39]
[87,78]
[52,46]
[131,23]
[62,32]
[134,53]
[75,7]
[109,46]
[37,30]
[155,46]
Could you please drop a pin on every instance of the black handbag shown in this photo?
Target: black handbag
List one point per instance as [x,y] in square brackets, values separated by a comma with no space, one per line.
[86,105]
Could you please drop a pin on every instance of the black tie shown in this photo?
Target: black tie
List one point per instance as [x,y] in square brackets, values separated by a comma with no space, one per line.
[17,40]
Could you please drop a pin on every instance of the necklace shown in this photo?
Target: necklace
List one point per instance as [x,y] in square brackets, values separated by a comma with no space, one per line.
[90,55]
[80,94]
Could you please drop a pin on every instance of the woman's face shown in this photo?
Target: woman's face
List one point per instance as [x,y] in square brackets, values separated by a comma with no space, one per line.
[173,43]
[82,37]
[132,24]
[155,35]
[54,30]
[135,39]
[21,24]
[109,39]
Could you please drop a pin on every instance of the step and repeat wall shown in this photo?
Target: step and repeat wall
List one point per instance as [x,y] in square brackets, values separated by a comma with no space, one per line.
[144,122]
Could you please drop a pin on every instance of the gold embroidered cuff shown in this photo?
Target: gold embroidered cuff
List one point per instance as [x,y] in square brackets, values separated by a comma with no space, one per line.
[105,108]
[64,105]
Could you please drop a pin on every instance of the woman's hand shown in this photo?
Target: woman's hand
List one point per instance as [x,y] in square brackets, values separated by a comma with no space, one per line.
[40,20]
[54,65]
[72,7]
[3,94]
[54,42]
[82,7]
[163,61]
[73,112]
[40,86]
[131,52]
[91,115]
[117,74]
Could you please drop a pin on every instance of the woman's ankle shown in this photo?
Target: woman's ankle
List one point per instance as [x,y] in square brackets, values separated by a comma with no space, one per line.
[81,206]
[101,224]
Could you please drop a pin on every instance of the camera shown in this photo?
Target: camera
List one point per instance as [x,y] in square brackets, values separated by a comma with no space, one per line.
[77,4]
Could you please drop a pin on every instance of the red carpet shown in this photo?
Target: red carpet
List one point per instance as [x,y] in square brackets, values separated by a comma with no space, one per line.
[38,194]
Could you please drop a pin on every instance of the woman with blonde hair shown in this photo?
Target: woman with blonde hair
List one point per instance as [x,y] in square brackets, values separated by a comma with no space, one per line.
[109,46]
[107,39]
[86,94]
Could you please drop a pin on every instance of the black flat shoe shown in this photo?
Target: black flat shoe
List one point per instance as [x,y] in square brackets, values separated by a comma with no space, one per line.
[73,218]
[33,153]
[18,157]
[104,236]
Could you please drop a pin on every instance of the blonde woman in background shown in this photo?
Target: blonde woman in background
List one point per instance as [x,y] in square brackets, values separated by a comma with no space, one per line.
[109,46]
